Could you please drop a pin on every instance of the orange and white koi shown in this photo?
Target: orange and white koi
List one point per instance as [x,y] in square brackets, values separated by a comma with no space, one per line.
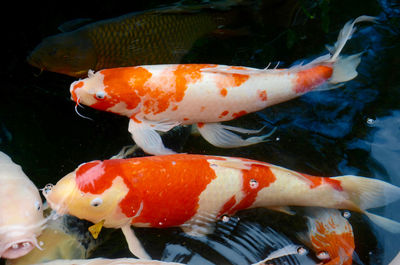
[160,97]
[330,235]
[21,213]
[193,191]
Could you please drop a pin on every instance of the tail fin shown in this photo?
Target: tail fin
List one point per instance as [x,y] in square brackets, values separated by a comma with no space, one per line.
[366,193]
[344,67]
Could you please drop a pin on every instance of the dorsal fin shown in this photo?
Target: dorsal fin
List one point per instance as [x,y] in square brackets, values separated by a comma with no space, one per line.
[74,24]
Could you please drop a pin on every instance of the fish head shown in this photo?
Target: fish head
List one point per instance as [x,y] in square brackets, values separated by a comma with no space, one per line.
[21,212]
[113,90]
[79,194]
[69,53]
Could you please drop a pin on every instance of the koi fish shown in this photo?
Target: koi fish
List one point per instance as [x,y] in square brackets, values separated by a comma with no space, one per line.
[193,191]
[330,235]
[21,214]
[162,35]
[160,97]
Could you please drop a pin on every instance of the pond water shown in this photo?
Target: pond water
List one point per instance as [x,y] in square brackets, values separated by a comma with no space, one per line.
[354,129]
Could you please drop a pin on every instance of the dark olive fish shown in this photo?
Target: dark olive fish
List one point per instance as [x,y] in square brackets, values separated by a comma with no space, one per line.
[148,37]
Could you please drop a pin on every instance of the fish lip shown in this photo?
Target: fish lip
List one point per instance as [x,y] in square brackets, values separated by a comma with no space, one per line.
[23,247]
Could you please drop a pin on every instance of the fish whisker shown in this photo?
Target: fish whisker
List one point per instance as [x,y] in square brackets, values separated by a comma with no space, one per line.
[77,112]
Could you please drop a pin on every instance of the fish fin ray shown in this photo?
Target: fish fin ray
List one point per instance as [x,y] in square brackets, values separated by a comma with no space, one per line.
[134,244]
[282,209]
[200,225]
[147,138]
[217,135]
[383,222]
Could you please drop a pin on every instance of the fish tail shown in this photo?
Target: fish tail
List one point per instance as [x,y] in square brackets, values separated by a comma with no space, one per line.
[366,193]
[344,67]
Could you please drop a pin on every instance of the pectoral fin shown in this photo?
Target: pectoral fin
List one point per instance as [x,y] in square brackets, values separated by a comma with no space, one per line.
[223,136]
[134,244]
[96,228]
[145,136]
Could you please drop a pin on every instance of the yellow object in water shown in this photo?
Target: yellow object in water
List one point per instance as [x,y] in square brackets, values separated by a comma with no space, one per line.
[96,228]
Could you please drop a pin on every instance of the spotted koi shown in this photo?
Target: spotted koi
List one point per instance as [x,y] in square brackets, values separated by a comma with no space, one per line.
[194,191]
[160,97]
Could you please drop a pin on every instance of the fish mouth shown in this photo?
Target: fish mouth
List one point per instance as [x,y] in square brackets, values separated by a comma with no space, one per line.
[19,248]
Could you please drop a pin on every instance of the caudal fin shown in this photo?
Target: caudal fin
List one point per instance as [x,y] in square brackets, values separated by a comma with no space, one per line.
[366,193]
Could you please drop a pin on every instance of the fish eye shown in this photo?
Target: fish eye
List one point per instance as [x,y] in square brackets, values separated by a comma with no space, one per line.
[38,205]
[100,95]
[96,202]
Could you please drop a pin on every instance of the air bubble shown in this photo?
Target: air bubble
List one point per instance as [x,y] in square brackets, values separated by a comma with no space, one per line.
[47,188]
[225,218]
[173,163]
[301,251]
[323,255]
[277,139]
[253,183]
[346,214]
[41,243]
[370,122]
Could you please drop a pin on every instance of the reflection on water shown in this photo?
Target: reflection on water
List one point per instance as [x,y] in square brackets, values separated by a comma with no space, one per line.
[354,129]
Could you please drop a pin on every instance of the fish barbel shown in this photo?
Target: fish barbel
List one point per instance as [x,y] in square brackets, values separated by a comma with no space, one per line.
[194,191]
[149,37]
[160,97]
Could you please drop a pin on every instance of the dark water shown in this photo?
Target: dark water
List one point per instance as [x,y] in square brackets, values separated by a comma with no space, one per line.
[354,129]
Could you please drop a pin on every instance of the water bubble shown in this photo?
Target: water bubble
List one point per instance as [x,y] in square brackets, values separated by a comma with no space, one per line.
[370,122]
[301,251]
[41,243]
[253,183]
[47,188]
[323,255]
[277,139]
[346,214]
[173,163]
[225,218]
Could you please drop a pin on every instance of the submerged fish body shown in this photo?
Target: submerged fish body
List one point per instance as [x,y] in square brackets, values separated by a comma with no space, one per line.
[21,214]
[159,97]
[193,191]
[63,238]
[149,37]
[330,235]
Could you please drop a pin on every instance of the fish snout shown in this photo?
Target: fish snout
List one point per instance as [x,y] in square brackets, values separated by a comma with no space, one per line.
[18,248]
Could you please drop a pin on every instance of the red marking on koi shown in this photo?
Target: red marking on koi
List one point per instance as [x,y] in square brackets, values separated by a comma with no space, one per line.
[223,114]
[239,114]
[262,95]
[307,80]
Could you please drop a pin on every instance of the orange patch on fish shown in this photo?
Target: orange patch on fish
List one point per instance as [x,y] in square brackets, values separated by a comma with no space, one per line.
[262,95]
[336,243]
[239,114]
[200,124]
[227,206]
[307,80]
[223,92]
[223,114]
[76,86]
[123,85]
[227,80]
[318,181]
[170,86]
[255,179]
